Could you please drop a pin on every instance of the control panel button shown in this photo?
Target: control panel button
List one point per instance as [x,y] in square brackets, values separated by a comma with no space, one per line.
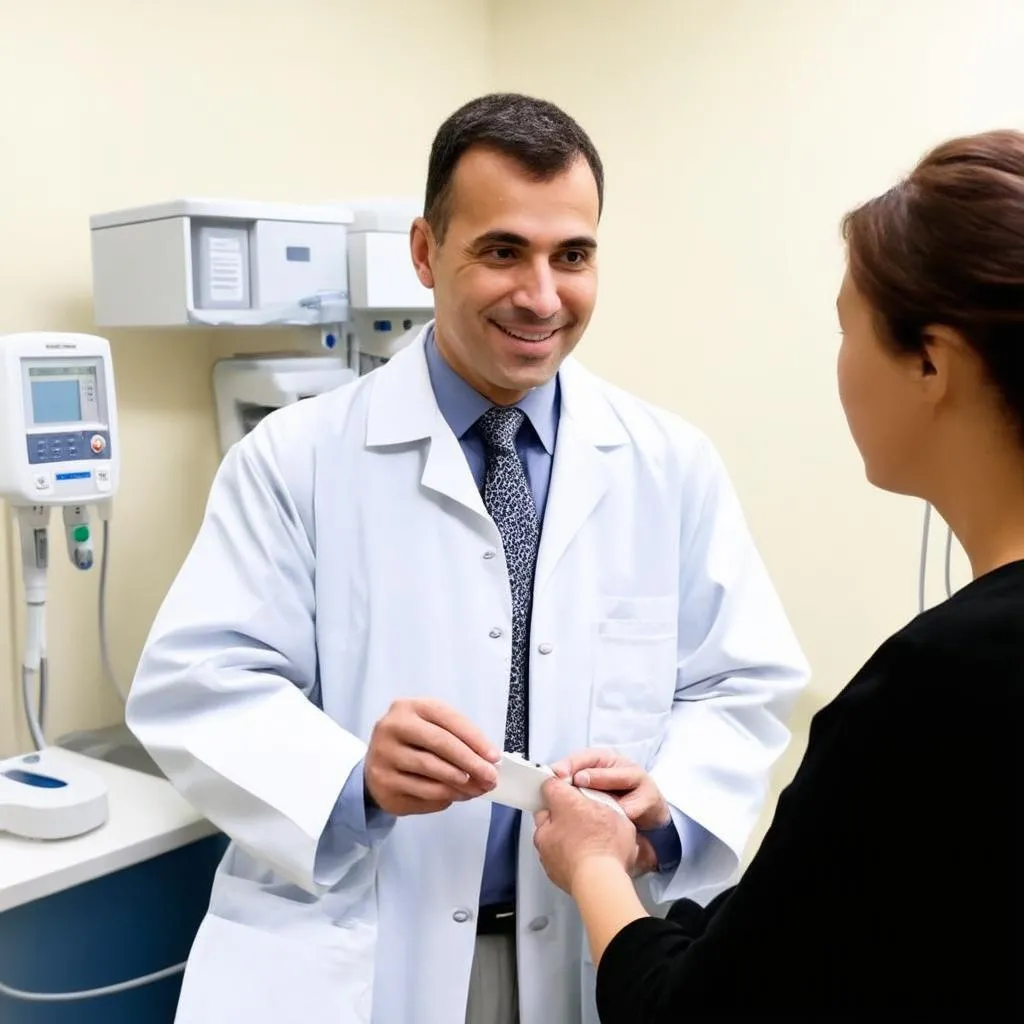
[97,443]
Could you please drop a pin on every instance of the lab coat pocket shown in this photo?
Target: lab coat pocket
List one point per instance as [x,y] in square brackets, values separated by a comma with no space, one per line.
[243,974]
[635,664]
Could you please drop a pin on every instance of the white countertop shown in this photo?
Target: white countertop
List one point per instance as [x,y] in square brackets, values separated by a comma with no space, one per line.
[147,818]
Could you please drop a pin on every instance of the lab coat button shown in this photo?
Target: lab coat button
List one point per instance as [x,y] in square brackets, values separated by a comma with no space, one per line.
[495,633]
[461,916]
[490,553]
[545,648]
[538,924]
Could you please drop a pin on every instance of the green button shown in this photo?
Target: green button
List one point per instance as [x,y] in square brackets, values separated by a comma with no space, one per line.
[81,534]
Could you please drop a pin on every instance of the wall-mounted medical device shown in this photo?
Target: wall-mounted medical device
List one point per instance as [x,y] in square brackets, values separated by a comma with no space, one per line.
[247,388]
[387,302]
[201,262]
[59,447]
[220,263]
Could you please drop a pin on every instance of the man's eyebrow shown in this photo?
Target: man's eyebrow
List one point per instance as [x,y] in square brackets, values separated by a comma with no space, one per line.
[500,238]
[579,242]
[511,238]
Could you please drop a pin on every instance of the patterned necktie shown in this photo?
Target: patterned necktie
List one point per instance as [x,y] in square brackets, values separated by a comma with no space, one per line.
[508,499]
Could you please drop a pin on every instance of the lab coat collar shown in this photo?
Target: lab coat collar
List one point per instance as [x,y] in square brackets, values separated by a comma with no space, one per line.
[404,409]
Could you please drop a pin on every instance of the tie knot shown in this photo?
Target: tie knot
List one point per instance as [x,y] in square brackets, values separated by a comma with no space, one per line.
[499,427]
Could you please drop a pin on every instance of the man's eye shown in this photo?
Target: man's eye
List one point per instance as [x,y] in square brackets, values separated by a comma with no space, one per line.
[574,257]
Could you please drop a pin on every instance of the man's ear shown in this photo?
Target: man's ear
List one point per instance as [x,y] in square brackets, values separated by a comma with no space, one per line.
[422,246]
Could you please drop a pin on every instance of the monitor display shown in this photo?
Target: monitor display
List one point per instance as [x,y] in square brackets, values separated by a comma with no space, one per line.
[63,394]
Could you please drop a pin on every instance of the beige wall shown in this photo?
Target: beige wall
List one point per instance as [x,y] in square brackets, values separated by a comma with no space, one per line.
[115,102]
[735,133]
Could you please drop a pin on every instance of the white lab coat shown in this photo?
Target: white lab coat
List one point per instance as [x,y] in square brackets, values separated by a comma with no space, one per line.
[346,560]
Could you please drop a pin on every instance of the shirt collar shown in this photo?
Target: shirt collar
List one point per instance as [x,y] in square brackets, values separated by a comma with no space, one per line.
[462,405]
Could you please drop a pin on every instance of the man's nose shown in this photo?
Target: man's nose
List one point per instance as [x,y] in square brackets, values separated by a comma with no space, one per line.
[537,291]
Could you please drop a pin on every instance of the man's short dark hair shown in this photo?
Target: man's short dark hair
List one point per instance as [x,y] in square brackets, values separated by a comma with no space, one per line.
[543,139]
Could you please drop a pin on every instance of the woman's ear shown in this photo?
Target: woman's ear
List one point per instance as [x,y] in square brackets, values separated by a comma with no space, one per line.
[943,348]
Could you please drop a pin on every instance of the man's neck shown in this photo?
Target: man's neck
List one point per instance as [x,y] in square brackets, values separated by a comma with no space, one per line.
[498,396]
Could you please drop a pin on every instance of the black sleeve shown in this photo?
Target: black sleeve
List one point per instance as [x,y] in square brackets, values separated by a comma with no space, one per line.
[867,892]
[692,917]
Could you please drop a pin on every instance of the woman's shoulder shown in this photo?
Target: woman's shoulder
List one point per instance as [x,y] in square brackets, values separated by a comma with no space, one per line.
[989,607]
[974,637]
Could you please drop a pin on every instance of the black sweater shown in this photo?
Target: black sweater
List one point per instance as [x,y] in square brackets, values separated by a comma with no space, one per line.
[888,886]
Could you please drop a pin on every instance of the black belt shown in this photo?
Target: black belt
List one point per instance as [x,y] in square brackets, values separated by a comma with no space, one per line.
[497,919]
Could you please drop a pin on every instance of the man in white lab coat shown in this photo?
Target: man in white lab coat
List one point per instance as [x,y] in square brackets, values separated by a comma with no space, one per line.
[478,547]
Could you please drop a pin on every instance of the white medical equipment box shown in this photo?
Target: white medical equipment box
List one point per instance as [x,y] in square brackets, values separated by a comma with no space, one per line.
[209,261]
[381,271]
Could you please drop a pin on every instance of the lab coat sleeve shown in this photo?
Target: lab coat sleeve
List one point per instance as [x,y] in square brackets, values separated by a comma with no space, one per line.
[740,669]
[225,697]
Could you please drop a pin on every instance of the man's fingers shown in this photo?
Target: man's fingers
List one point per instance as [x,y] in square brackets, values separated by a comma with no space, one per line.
[413,761]
[427,736]
[646,858]
[449,720]
[426,791]
[585,759]
[635,804]
[620,779]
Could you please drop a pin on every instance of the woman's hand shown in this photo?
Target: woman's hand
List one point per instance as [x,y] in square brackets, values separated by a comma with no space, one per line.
[576,831]
[636,792]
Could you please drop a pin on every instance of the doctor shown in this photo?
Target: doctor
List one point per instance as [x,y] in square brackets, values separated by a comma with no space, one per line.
[479,547]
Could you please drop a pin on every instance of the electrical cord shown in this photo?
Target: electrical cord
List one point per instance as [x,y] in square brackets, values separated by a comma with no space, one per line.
[922,575]
[44,681]
[91,993]
[108,666]
[949,561]
[32,717]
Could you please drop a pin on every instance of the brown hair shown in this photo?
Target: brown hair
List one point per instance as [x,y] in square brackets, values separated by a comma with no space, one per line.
[946,246]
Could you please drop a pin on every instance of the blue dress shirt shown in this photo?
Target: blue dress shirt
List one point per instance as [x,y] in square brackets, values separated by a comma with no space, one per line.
[461,407]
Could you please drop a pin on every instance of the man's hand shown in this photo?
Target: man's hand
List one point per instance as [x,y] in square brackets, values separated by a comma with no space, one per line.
[631,786]
[424,756]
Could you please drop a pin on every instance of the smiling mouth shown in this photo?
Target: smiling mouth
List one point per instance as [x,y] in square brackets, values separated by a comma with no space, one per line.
[528,336]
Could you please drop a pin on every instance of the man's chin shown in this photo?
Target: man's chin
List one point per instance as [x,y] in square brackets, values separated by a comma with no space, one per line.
[526,378]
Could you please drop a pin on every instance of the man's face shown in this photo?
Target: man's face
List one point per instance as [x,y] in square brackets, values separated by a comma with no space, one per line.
[515,279]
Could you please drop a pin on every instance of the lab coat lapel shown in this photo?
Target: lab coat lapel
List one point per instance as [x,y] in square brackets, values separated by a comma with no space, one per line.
[403,410]
[580,473]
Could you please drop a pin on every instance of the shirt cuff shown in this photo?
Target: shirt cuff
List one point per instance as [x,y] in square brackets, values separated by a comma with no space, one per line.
[681,839]
[355,812]
[667,845]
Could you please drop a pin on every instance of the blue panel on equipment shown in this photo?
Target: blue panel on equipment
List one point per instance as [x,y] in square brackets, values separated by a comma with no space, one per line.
[112,929]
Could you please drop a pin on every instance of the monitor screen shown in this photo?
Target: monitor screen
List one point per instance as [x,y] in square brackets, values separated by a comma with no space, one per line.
[63,394]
